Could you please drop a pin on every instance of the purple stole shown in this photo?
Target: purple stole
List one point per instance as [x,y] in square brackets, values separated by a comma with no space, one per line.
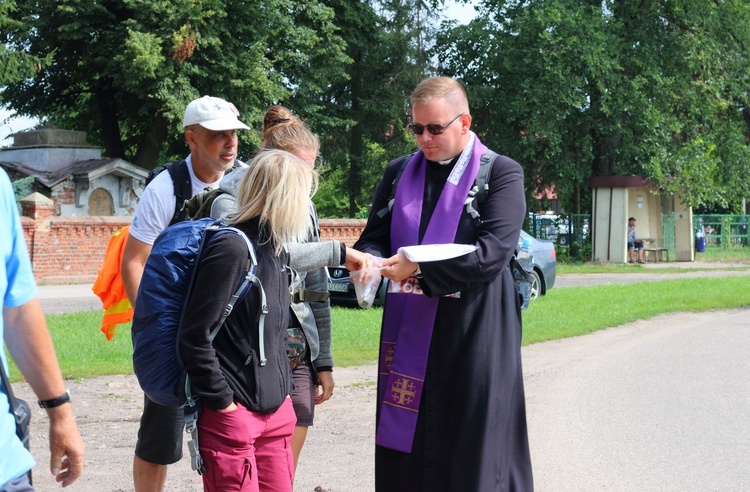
[409,319]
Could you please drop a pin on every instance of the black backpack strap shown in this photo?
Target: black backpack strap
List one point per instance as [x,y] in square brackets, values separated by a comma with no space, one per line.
[198,206]
[183,188]
[485,164]
[19,409]
[392,196]
[478,191]
[480,188]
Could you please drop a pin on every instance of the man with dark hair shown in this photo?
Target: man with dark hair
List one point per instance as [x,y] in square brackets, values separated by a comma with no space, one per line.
[451,410]
[634,243]
[211,126]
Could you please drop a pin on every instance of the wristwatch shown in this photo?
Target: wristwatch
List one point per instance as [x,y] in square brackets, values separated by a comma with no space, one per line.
[418,272]
[55,402]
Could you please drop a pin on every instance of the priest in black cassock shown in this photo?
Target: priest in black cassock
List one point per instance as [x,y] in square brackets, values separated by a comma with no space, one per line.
[451,413]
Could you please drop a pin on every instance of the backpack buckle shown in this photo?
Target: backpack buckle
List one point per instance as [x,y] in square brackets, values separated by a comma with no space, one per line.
[191,428]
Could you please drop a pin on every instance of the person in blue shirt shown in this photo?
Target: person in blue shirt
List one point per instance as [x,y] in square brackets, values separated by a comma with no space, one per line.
[23,330]
[634,244]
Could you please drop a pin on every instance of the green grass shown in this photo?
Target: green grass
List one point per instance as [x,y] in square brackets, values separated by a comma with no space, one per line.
[739,258]
[355,335]
[574,311]
[84,352]
[617,268]
[82,349]
[734,255]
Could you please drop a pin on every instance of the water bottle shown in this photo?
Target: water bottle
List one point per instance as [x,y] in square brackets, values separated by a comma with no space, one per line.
[526,260]
[524,256]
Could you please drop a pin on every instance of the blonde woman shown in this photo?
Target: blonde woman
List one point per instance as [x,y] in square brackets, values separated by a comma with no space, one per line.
[310,318]
[247,419]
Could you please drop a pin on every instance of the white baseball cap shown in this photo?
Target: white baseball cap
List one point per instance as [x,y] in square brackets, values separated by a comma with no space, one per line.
[214,114]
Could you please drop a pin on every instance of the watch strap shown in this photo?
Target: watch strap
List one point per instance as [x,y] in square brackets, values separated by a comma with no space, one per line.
[55,402]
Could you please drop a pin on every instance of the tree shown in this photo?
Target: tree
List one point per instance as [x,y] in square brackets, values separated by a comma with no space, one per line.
[365,123]
[15,64]
[125,70]
[574,89]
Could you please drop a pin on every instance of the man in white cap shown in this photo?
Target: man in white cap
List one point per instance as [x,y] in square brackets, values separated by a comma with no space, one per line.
[211,126]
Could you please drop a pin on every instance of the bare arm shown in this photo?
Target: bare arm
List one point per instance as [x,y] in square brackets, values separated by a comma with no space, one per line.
[30,345]
[134,258]
[324,391]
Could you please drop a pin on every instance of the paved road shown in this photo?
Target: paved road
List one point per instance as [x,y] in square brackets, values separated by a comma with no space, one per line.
[57,299]
[656,405]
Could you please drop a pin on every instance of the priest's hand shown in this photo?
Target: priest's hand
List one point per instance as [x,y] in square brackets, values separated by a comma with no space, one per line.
[398,267]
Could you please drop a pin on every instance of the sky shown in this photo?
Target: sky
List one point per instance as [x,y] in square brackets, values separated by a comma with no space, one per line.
[462,13]
[10,124]
[13,125]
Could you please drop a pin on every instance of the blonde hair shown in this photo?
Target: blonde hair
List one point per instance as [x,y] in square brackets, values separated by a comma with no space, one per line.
[284,130]
[441,88]
[277,188]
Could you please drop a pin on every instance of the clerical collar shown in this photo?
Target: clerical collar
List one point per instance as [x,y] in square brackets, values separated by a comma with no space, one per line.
[466,151]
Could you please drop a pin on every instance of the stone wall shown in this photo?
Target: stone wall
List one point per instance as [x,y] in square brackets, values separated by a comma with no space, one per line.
[70,250]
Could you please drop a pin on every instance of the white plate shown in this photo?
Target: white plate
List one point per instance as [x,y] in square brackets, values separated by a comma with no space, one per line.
[436,252]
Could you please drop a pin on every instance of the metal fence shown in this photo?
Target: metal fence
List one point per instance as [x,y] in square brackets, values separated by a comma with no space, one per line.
[561,229]
[723,231]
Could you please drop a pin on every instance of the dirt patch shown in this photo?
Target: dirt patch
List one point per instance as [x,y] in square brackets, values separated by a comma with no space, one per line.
[338,454]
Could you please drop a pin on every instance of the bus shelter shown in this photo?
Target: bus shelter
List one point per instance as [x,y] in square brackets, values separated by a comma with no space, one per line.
[663,221]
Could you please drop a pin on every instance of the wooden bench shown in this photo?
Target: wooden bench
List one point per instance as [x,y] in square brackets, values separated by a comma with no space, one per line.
[655,253]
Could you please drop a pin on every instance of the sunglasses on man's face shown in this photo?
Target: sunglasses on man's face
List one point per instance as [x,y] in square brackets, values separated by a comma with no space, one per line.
[433,128]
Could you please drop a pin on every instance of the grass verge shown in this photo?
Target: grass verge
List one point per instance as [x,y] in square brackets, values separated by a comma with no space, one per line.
[574,311]
[84,352]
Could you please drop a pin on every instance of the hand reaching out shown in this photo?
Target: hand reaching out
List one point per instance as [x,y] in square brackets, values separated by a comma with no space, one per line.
[357,260]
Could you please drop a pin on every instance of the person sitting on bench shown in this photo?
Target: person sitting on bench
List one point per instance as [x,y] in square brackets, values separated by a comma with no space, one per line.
[633,243]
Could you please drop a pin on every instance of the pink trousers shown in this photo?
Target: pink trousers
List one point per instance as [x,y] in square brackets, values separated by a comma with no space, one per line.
[247,451]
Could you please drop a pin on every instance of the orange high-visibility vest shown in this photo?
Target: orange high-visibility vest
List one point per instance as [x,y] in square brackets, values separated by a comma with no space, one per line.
[109,287]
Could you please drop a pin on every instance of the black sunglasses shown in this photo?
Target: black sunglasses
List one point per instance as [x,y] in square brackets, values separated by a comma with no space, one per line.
[433,128]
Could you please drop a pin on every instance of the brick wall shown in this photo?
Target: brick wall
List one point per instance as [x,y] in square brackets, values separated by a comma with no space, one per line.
[63,193]
[70,250]
[345,230]
[65,250]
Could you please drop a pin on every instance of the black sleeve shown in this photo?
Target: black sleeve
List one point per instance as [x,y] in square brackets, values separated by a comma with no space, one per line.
[496,238]
[376,237]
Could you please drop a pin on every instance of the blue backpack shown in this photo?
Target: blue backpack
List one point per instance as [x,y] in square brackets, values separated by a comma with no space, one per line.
[165,287]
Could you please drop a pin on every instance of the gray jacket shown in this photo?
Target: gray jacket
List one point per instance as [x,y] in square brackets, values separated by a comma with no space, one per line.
[308,260]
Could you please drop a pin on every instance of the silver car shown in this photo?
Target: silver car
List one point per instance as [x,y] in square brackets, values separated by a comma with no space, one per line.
[545,264]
